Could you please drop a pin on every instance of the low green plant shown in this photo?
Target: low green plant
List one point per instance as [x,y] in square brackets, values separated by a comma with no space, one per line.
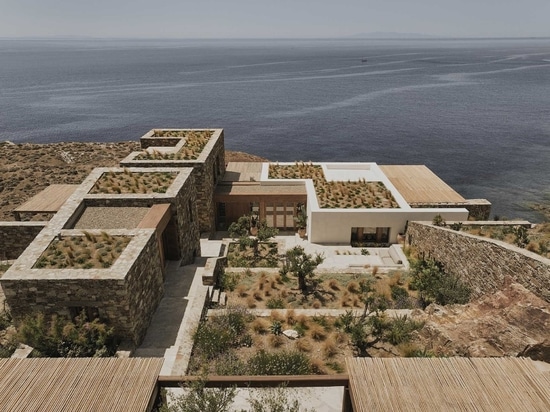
[275,303]
[279,363]
[279,399]
[276,327]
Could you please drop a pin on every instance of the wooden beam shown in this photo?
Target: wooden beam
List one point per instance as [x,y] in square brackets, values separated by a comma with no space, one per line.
[248,381]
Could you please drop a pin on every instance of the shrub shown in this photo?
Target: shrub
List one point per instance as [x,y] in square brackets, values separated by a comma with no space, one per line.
[317,332]
[275,303]
[279,363]
[276,327]
[276,341]
[434,285]
[400,328]
[201,399]
[59,337]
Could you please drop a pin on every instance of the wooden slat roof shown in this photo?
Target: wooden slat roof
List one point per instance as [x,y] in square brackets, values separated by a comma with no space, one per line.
[448,384]
[78,384]
[418,184]
[48,200]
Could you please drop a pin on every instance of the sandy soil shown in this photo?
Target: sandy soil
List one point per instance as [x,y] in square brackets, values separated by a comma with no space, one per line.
[26,169]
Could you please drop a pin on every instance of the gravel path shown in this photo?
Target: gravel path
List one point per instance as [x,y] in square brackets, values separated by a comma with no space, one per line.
[111,217]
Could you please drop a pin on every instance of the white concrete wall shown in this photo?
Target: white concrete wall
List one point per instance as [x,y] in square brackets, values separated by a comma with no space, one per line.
[333,226]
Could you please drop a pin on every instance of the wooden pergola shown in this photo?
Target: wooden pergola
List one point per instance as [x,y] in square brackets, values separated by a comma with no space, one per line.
[48,200]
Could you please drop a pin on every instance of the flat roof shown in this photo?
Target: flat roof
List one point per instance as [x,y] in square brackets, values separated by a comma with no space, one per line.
[418,184]
[243,172]
[115,217]
[48,200]
[258,189]
[78,384]
[447,384]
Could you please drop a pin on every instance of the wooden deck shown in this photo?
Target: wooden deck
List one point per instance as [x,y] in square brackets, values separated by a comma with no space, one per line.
[48,200]
[78,384]
[418,184]
[448,384]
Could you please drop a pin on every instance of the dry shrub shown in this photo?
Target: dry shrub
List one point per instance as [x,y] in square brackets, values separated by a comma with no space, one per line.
[316,304]
[242,291]
[333,284]
[258,295]
[345,299]
[278,316]
[260,325]
[317,332]
[283,293]
[340,337]
[291,317]
[329,347]
[303,321]
[276,341]
[250,302]
[532,247]
[353,287]
[304,345]
[356,302]
[273,283]
[395,279]
[382,289]
[267,289]
[318,367]
[374,270]
[278,279]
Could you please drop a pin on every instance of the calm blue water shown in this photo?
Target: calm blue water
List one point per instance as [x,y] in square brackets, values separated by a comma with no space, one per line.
[476,112]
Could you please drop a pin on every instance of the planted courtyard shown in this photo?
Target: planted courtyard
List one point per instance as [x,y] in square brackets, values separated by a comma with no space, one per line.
[133,182]
[337,194]
[195,141]
[88,251]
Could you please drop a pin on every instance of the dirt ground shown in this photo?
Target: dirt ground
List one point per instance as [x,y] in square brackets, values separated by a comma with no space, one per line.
[26,169]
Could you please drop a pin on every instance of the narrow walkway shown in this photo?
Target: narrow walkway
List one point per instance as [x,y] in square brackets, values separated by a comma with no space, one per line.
[164,327]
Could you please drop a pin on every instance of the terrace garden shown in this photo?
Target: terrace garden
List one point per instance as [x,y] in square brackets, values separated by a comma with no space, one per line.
[82,252]
[133,182]
[195,141]
[337,194]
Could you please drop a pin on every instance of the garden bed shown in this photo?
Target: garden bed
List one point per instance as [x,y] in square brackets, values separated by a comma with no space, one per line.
[133,182]
[82,252]
[235,342]
[337,194]
[326,291]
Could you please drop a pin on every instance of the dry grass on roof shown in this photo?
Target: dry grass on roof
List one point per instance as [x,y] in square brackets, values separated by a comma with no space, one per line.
[195,141]
[337,194]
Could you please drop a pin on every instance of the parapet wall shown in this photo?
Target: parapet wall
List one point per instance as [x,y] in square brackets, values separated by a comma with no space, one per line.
[478,209]
[484,264]
[15,237]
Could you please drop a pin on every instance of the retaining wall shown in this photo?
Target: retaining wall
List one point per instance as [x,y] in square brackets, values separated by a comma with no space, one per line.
[484,264]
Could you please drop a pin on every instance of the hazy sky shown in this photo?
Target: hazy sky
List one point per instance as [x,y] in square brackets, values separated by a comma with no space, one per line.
[273,18]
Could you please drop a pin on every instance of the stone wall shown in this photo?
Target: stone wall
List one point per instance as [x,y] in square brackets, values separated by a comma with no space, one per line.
[208,169]
[478,209]
[484,264]
[15,237]
[125,295]
[187,222]
[144,288]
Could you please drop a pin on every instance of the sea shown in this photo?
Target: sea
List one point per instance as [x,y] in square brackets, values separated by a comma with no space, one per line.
[475,111]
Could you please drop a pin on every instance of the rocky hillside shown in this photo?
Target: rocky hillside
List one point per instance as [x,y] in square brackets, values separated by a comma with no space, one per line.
[28,168]
[510,322]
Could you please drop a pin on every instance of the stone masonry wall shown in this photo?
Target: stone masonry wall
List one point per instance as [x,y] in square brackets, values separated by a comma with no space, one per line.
[484,264]
[188,222]
[16,236]
[478,209]
[126,303]
[144,288]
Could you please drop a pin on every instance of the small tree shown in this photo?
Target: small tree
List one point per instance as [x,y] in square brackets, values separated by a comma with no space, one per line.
[241,230]
[198,398]
[301,265]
